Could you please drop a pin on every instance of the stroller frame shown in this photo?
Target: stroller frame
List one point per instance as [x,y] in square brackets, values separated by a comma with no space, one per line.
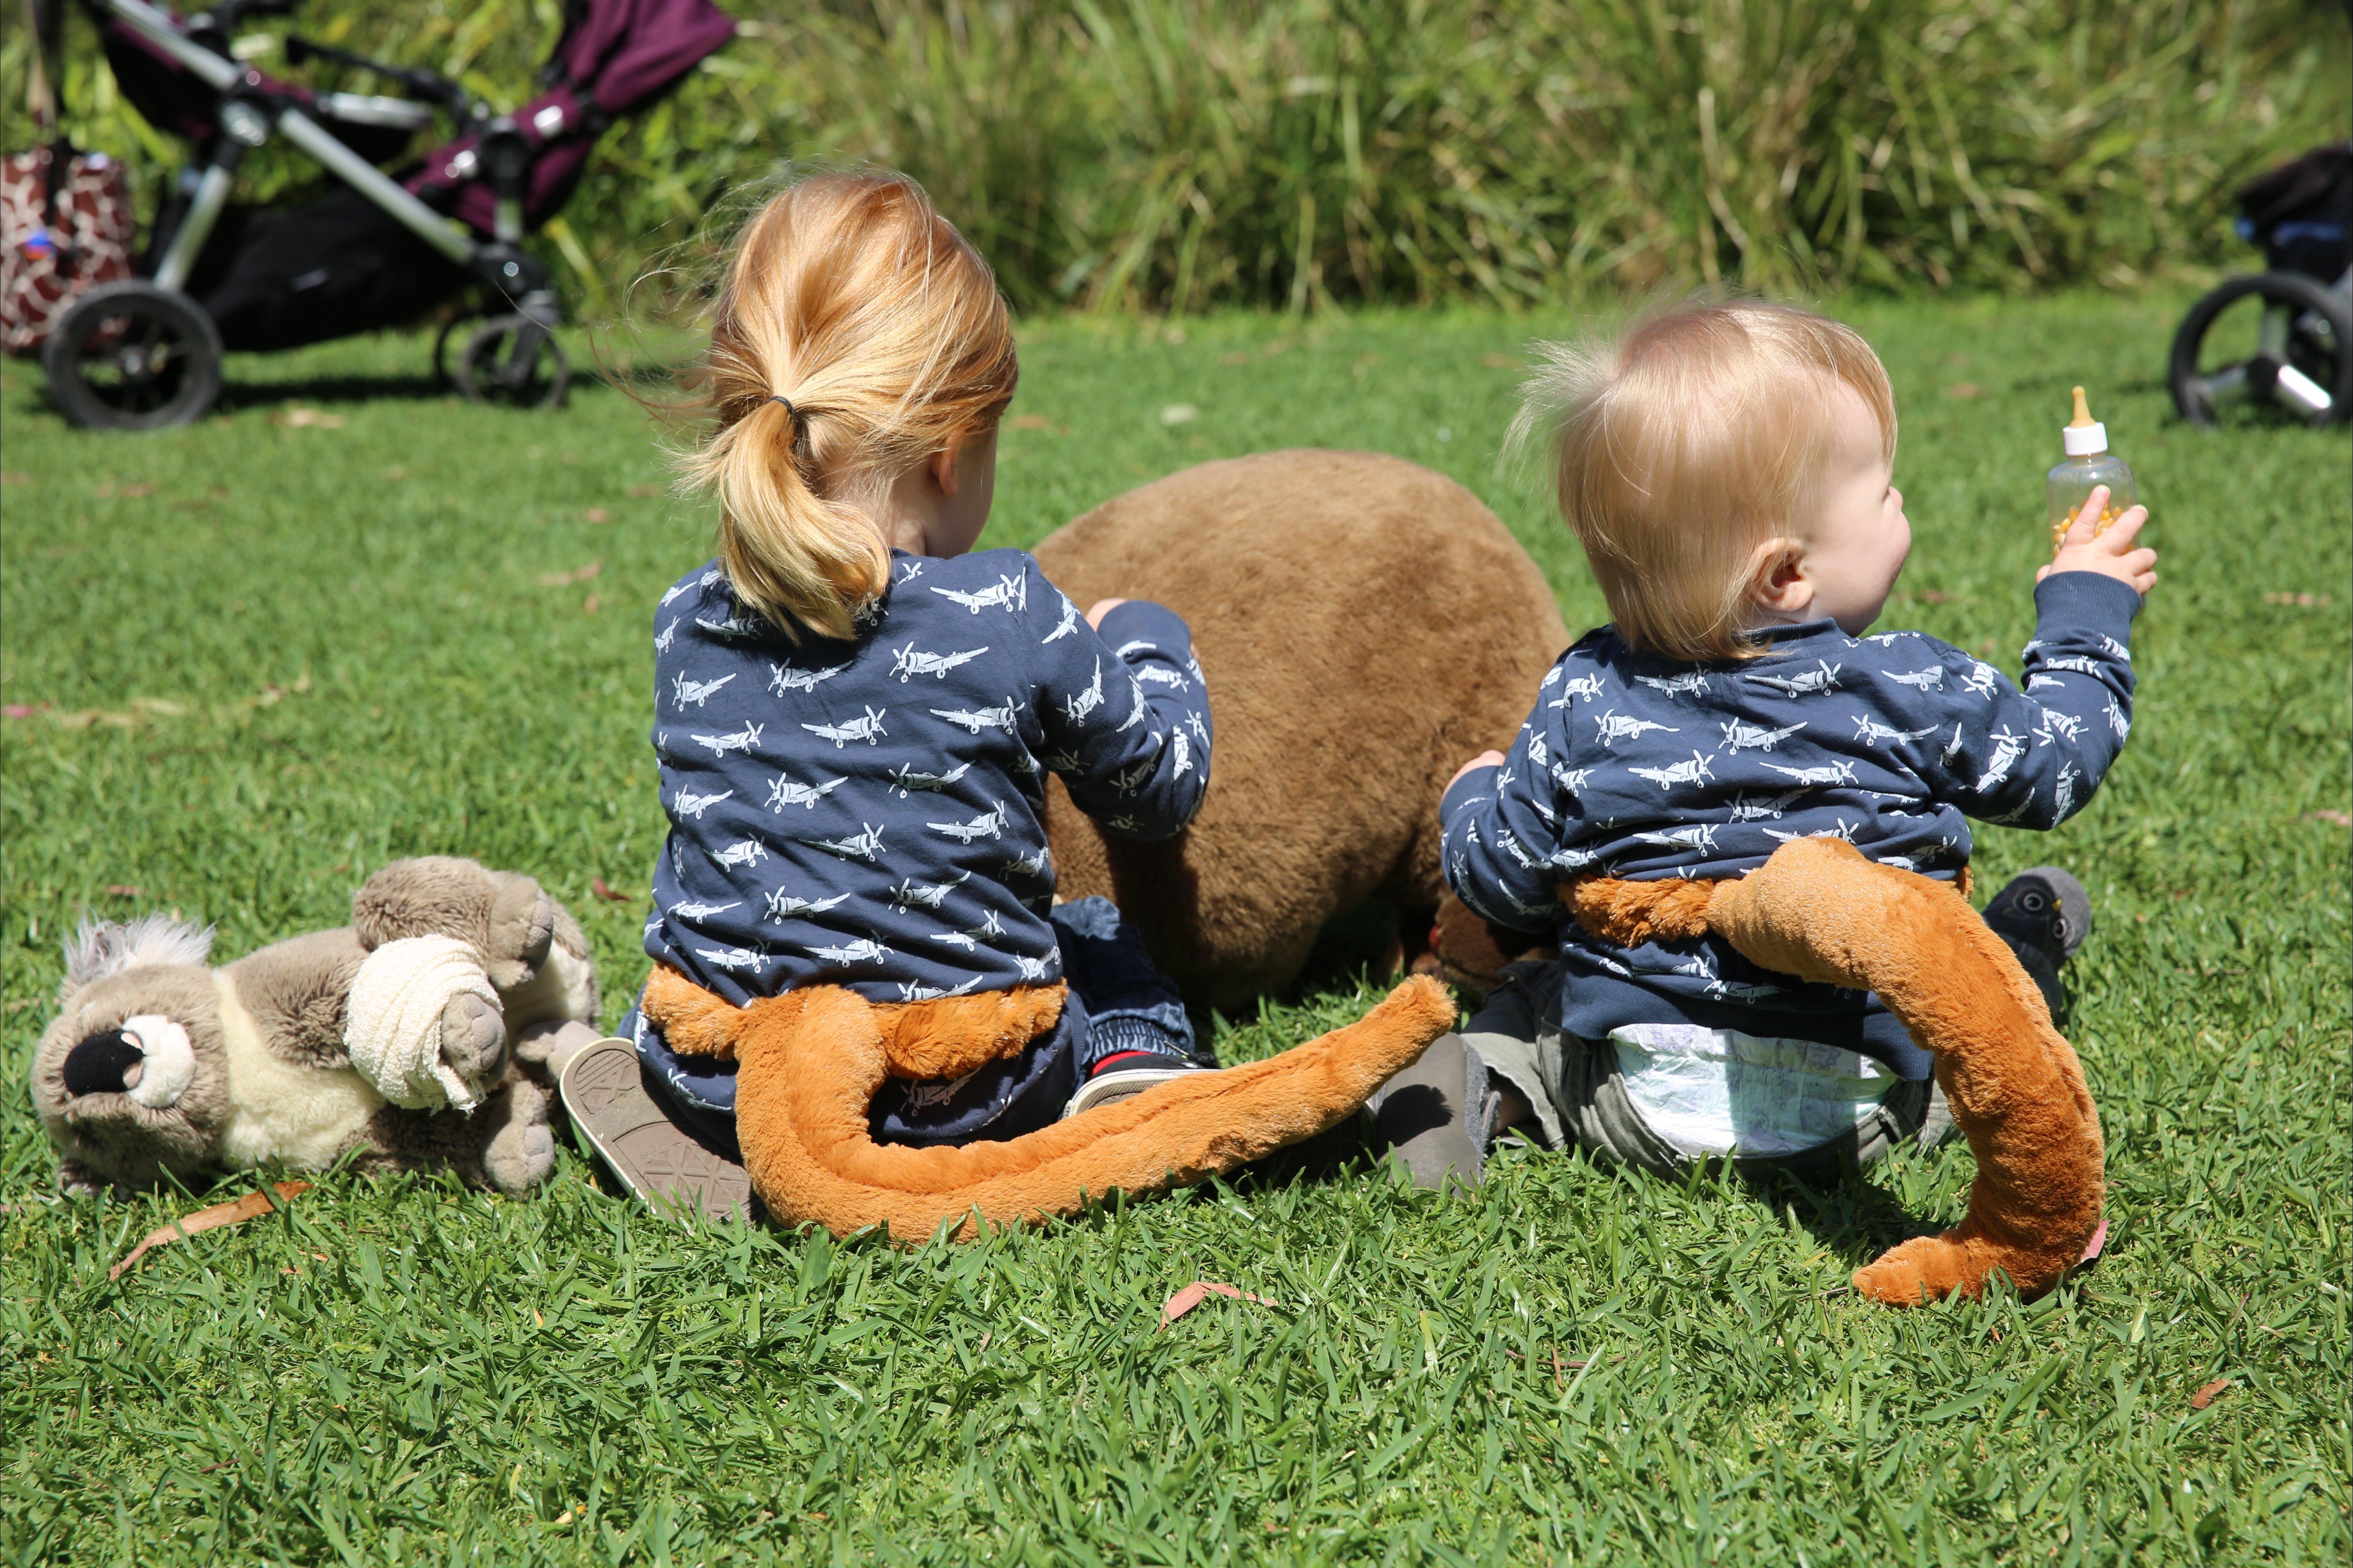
[157,343]
[252,109]
[2300,362]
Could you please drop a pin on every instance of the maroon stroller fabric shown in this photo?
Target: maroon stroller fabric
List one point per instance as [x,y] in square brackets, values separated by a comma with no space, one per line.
[615,57]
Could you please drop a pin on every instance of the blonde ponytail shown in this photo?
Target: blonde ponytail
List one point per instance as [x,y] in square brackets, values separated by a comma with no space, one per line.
[798,559]
[858,336]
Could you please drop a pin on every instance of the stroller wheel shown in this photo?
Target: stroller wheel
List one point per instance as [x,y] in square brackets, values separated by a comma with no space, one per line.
[2279,339]
[514,360]
[131,356]
[441,351]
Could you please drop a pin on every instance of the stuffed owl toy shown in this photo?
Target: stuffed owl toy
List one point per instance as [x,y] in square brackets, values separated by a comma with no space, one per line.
[424,1035]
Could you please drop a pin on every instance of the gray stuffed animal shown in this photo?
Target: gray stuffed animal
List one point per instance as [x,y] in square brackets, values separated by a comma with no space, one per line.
[425,1035]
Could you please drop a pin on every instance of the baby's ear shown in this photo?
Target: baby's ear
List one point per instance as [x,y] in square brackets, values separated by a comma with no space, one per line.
[100,947]
[1776,574]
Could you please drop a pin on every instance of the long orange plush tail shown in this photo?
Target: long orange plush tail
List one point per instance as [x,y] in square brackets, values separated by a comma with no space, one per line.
[810,1061]
[1819,911]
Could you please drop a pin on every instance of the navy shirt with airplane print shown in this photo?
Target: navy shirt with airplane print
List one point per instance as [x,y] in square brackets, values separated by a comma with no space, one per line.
[869,813]
[1642,767]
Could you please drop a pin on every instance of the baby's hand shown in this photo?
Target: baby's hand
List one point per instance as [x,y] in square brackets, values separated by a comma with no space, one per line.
[1484,759]
[1100,608]
[2110,553]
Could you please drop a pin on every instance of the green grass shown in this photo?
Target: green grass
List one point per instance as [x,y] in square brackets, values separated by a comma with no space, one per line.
[266,657]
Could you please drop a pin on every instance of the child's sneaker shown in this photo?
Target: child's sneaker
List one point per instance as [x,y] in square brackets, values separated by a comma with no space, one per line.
[668,1165]
[2043,915]
[1126,1075]
[2045,906]
[1436,1119]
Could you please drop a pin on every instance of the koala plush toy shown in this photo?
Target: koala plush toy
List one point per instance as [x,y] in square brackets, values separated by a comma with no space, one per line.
[425,1035]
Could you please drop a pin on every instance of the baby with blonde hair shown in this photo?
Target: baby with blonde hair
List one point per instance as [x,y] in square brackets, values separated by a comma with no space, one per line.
[1726,464]
[855,714]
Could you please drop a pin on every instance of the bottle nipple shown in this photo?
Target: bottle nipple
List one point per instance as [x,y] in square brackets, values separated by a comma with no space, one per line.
[2083,436]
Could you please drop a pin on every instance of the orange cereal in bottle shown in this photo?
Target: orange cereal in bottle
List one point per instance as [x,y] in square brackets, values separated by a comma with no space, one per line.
[2089,465]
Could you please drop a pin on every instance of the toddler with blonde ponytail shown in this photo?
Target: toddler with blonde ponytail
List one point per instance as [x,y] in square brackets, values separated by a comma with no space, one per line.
[854,714]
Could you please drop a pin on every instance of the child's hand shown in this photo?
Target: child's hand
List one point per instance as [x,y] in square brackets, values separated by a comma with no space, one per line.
[1484,759]
[1100,608]
[2110,553]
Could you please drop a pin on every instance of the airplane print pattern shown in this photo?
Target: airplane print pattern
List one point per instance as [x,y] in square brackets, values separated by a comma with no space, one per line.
[1640,767]
[869,813]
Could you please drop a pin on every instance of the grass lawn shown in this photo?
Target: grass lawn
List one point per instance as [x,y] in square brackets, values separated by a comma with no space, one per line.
[349,620]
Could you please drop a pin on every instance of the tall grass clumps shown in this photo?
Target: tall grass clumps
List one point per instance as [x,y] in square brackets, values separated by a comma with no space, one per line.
[1180,154]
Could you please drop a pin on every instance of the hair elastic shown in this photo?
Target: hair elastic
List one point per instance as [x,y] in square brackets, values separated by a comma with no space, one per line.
[792,414]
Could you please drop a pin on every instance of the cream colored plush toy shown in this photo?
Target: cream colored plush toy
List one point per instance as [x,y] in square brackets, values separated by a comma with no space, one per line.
[424,1035]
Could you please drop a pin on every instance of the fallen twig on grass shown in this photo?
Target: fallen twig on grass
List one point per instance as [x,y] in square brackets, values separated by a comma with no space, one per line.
[214,1218]
[1560,1367]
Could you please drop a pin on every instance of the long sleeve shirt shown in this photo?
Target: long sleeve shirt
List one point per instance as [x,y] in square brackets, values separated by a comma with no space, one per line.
[1640,767]
[871,812]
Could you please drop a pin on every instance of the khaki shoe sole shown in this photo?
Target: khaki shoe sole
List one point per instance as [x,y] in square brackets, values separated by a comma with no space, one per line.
[662,1163]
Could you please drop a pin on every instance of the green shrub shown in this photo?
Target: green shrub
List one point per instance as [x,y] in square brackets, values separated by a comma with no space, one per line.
[1176,154]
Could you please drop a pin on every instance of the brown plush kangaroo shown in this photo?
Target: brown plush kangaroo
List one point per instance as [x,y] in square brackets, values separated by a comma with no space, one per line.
[1364,624]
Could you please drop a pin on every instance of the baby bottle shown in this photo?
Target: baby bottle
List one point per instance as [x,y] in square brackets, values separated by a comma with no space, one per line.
[2089,465]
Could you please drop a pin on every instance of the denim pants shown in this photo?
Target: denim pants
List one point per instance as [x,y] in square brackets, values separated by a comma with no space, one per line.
[1118,1002]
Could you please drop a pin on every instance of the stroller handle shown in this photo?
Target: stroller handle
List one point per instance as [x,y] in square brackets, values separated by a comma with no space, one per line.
[216,70]
[417,80]
[226,16]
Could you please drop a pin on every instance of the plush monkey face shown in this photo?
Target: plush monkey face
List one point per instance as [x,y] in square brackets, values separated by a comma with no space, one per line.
[131,1078]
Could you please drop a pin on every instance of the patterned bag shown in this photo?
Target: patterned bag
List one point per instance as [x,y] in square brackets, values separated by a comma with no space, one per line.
[66,226]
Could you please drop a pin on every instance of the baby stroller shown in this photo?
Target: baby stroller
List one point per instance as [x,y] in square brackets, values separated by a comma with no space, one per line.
[146,353]
[2284,337]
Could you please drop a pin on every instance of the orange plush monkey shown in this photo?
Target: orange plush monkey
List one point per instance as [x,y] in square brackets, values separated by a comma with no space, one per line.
[1818,910]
